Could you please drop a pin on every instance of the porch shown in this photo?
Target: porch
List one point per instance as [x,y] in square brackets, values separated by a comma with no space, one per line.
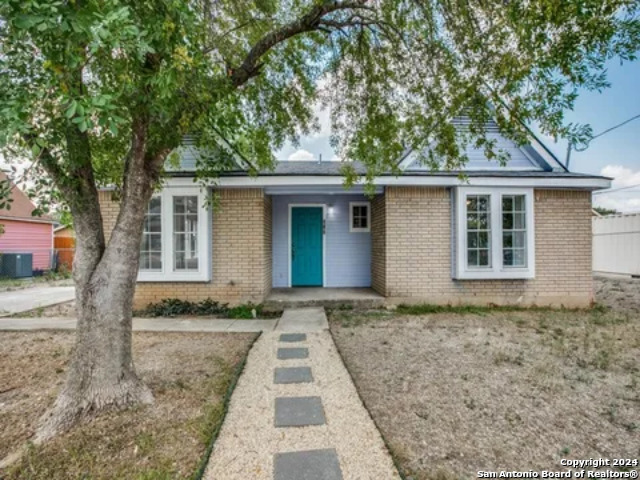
[320,240]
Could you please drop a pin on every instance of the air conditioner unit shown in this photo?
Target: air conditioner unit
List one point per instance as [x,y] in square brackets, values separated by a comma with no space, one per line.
[16,265]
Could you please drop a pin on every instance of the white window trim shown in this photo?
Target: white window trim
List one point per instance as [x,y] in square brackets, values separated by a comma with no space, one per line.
[168,274]
[352,229]
[497,270]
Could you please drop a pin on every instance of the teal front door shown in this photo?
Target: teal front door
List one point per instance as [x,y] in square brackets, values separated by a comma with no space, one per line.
[306,246]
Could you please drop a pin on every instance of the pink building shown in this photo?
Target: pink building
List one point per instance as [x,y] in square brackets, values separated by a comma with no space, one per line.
[24,233]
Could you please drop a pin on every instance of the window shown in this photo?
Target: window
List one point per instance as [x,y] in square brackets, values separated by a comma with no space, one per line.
[478,231]
[176,239]
[494,233]
[151,247]
[514,231]
[359,217]
[185,233]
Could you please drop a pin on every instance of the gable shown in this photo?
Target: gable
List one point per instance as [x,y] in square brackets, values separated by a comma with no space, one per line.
[188,155]
[531,157]
[21,206]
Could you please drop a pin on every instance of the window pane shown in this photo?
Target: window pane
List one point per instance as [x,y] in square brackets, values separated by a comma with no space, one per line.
[192,205]
[472,221]
[472,240]
[180,263]
[151,243]
[155,261]
[483,258]
[514,233]
[507,239]
[518,257]
[154,205]
[519,203]
[179,223]
[178,204]
[154,223]
[483,239]
[472,258]
[507,221]
[507,257]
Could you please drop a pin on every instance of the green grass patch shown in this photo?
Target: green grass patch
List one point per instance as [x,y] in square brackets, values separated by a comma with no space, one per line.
[426,308]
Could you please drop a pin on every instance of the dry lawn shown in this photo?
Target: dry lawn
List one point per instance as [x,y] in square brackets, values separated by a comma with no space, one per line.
[189,374]
[458,392]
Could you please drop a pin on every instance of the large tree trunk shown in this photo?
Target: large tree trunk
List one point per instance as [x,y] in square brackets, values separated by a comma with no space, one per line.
[101,373]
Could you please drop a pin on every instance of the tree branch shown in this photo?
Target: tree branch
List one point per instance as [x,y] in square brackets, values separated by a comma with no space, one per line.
[309,22]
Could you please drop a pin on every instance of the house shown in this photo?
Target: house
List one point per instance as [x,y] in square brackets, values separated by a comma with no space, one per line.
[24,233]
[515,234]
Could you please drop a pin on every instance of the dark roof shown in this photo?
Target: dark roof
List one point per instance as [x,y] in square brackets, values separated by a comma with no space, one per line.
[330,169]
[312,168]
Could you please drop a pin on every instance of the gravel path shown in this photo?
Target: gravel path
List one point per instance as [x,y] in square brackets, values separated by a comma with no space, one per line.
[249,441]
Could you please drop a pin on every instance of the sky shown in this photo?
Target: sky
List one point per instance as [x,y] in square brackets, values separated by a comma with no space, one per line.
[615,154]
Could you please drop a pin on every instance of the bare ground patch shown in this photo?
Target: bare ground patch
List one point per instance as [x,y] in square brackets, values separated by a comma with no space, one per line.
[188,373]
[618,293]
[457,393]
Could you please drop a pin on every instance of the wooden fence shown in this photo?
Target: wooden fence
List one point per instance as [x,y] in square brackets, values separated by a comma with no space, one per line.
[65,248]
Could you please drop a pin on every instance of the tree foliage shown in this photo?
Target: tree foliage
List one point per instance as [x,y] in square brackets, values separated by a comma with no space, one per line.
[98,92]
[396,72]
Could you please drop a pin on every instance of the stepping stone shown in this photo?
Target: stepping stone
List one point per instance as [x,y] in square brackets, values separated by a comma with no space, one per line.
[293,375]
[287,353]
[299,411]
[293,337]
[307,465]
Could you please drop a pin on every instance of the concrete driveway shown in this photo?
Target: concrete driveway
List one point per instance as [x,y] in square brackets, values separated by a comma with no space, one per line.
[17,301]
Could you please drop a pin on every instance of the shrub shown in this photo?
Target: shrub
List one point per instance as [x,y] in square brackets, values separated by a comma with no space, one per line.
[172,307]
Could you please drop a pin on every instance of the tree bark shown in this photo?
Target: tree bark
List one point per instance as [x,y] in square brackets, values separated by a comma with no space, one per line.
[101,373]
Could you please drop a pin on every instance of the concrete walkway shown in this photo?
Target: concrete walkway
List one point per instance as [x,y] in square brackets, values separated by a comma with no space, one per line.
[17,301]
[147,324]
[296,415]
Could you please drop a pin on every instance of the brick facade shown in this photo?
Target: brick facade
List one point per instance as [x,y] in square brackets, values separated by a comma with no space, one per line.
[416,251]
[411,260]
[378,245]
[241,255]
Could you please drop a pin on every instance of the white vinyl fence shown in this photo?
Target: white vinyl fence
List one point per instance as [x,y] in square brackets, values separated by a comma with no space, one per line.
[616,244]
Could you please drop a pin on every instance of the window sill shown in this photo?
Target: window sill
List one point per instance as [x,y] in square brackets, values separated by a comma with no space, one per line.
[506,274]
[174,277]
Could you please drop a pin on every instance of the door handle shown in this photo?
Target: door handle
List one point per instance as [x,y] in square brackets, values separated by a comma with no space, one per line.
[293,252]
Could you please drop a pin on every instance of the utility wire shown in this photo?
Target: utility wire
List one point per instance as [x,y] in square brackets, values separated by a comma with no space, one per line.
[612,190]
[570,145]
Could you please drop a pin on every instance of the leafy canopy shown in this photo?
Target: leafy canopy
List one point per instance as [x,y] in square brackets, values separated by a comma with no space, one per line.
[395,72]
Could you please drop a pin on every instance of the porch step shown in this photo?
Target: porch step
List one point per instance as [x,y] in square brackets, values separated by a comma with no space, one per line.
[323,297]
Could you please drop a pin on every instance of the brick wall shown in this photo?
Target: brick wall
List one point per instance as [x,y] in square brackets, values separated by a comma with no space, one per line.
[241,250]
[418,252]
[378,246]
[267,247]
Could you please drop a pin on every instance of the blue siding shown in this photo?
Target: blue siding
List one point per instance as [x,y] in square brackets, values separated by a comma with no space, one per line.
[478,161]
[348,255]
